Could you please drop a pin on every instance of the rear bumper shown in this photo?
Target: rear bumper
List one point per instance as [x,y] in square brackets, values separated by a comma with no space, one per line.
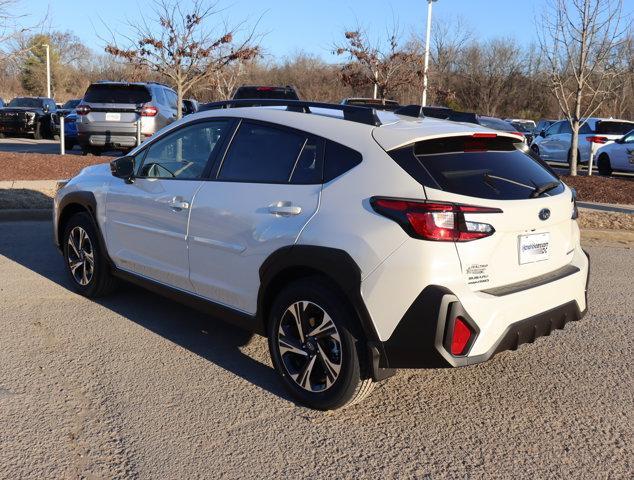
[421,339]
[107,139]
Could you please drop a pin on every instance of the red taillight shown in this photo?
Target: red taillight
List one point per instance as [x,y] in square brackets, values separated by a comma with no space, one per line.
[83,110]
[460,337]
[265,89]
[597,139]
[149,111]
[444,222]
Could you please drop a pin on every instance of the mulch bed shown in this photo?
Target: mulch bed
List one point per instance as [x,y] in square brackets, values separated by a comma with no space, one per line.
[38,166]
[602,189]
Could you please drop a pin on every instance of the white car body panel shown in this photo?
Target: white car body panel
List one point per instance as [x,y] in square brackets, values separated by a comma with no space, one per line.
[621,155]
[232,232]
[145,233]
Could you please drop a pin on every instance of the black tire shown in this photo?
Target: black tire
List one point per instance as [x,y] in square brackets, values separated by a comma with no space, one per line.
[37,133]
[101,281]
[568,160]
[69,143]
[352,382]
[604,165]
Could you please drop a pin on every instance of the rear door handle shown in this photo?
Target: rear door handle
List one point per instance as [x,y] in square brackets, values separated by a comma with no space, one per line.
[284,209]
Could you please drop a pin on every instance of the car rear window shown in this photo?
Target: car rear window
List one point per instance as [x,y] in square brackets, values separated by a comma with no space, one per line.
[274,93]
[608,127]
[492,168]
[131,94]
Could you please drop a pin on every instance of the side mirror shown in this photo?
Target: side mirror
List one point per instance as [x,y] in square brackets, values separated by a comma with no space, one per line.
[123,168]
[45,109]
[619,140]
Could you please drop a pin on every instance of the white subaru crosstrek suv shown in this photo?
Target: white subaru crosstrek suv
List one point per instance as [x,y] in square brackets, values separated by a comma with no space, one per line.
[357,243]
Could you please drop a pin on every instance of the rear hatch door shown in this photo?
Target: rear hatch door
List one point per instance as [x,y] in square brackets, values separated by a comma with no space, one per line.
[115,103]
[533,229]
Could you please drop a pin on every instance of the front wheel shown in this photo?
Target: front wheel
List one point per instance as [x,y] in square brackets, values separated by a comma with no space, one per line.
[88,269]
[316,348]
[37,133]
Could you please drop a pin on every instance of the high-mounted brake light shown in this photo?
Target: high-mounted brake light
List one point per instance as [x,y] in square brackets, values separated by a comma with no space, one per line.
[83,109]
[597,139]
[484,135]
[461,336]
[149,111]
[442,222]
[265,89]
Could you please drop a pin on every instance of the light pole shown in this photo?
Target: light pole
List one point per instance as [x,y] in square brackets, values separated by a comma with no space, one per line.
[427,40]
[48,69]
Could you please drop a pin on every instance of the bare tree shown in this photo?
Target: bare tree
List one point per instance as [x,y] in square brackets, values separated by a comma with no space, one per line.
[183,49]
[388,68]
[578,39]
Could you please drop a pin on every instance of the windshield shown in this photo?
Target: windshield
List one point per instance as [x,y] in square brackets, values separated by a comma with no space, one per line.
[26,102]
[523,127]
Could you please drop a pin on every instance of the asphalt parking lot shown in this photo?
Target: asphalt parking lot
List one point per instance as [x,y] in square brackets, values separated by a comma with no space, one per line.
[136,386]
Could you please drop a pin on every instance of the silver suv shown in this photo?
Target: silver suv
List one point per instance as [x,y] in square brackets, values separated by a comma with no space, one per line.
[109,112]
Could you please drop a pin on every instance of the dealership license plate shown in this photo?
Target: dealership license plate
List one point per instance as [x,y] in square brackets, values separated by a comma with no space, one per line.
[534,247]
[113,117]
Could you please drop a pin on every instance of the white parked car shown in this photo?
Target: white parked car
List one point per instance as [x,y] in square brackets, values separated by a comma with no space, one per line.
[618,155]
[553,144]
[358,244]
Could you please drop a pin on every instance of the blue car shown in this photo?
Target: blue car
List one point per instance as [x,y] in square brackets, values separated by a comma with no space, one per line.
[70,130]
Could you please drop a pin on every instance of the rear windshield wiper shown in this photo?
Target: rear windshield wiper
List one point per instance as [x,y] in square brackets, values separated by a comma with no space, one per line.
[488,176]
[541,189]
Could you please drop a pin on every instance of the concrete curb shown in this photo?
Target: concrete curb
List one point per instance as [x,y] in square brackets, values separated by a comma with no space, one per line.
[605,207]
[25,214]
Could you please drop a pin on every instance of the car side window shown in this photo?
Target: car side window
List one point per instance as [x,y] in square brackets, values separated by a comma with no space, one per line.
[160,96]
[553,129]
[565,127]
[339,159]
[629,138]
[183,154]
[172,98]
[585,129]
[262,154]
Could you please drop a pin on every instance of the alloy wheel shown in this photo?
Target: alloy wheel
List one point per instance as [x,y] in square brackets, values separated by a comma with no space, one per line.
[310,346]
[81,257]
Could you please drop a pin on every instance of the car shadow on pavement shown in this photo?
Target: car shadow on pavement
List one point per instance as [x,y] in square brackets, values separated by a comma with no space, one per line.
[30,245]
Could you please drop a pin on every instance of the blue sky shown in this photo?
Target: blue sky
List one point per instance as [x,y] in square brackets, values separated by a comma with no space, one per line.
[309,25]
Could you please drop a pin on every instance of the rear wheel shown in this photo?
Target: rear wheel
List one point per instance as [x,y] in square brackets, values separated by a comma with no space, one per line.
[315,346]
[604,165]
[88,269]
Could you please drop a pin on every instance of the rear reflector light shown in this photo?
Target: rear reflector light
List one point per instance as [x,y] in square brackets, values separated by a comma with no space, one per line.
[83,110]
[597,139]
[443,222]
[149,111]
[460,337]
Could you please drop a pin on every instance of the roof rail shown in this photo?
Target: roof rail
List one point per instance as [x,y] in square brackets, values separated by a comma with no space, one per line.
[352,113]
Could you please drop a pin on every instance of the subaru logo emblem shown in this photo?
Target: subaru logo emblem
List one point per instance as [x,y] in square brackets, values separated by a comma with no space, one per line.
[544,214]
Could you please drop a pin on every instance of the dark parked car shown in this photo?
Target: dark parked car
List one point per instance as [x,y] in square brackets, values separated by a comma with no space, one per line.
[268,92]
[28,116]
[190,106]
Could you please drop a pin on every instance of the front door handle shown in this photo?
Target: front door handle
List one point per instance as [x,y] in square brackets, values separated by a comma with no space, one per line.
[284,209]
[177,204]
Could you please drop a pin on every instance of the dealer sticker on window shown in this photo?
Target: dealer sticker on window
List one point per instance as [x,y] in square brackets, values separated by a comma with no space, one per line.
[534,247]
